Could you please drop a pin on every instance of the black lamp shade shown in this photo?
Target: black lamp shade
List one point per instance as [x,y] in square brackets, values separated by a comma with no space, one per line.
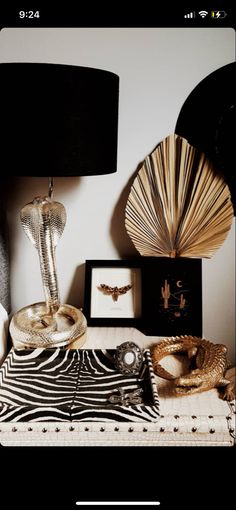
[58,120]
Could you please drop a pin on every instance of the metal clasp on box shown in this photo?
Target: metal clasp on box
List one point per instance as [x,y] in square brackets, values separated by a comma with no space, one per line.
[126,398]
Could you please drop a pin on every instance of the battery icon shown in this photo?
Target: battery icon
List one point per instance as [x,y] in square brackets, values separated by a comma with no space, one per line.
[218,14]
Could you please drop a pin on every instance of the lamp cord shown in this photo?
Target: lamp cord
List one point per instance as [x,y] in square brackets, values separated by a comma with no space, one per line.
[50,187]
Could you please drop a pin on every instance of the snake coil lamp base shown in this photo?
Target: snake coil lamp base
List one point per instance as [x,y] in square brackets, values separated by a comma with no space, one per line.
[50,323]
[32,327]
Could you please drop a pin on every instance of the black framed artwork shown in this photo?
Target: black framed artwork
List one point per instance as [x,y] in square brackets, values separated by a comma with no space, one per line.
[172,296]
[160,296]
[113,292]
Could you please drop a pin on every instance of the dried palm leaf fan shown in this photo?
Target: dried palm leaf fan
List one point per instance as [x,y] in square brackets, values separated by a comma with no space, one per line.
[178,206]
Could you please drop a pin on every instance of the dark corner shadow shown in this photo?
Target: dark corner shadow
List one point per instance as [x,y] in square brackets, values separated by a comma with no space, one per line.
[119,236]
[75,296]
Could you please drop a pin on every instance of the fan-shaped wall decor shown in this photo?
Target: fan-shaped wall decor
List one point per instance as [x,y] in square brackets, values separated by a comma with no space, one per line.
[178,206]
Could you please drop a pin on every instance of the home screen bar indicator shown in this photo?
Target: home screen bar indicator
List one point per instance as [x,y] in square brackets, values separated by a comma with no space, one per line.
[118,503]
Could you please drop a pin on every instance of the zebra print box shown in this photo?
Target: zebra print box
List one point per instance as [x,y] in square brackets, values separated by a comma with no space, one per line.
[73,385]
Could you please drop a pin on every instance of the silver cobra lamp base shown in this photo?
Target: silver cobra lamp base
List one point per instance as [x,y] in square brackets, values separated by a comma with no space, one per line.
[49,324]
[32,327]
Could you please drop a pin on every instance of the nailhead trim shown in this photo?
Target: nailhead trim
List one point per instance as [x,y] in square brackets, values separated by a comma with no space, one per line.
[116,429]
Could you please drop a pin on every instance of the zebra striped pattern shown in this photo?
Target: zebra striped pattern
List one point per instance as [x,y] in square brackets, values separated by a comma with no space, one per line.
[72,385]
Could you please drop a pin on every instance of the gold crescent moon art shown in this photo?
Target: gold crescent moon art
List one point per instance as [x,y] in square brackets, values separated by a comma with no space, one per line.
[178,205]
[179,283]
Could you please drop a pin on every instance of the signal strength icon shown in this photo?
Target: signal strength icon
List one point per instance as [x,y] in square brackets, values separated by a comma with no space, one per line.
[203,14]
[190,15]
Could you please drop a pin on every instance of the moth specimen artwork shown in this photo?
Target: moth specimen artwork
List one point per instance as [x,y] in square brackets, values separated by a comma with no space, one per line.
[113,295]
[114,292]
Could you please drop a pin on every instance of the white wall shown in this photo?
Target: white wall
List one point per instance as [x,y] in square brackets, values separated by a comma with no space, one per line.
[158,68]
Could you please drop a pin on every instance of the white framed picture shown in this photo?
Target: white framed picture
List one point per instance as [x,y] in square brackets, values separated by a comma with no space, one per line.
[113,292]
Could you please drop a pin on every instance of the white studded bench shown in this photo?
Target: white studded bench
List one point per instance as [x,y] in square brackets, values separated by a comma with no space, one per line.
[198,420]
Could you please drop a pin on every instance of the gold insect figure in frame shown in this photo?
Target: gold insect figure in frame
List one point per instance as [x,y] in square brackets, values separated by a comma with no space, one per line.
[114,292]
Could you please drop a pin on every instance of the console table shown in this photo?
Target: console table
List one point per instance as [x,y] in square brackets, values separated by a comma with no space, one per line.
[198,420]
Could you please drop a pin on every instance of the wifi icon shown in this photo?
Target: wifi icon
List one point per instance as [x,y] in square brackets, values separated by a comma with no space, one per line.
[203,14]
